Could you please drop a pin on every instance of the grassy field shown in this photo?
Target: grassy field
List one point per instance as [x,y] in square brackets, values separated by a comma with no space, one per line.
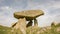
[4,30]
[32,30]
[45,30]
[9,30]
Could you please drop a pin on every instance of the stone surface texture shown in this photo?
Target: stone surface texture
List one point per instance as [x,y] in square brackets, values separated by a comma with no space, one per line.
[28,14]
[21,25]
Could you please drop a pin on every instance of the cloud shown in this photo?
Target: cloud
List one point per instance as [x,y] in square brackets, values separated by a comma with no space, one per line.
[6,16]
[7,21]
[44,3]
[44,20]
[5,8]
[57,18]
[16,4]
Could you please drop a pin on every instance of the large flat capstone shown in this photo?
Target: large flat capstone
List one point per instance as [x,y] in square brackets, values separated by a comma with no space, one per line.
[28,14]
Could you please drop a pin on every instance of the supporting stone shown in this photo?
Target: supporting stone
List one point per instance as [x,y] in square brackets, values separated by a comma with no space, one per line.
[21,25]
[30,23]
[35,22]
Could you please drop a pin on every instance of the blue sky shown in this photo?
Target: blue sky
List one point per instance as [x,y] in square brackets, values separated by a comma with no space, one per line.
[51,9]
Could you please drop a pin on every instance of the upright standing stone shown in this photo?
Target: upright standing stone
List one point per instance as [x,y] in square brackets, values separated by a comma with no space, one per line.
[35,22]
[21,25]
[29,23]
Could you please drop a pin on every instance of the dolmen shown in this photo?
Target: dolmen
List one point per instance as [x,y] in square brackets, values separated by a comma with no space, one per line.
[27,15]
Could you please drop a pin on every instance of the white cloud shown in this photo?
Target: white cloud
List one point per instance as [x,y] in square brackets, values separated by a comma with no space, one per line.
[57,18]
[7,21]
[6,16]
[4,8]
[45,20]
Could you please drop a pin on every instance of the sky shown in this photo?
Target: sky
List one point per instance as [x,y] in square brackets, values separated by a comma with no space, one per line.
[51,10]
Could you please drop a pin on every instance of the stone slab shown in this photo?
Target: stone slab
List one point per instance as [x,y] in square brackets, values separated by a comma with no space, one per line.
[28,14]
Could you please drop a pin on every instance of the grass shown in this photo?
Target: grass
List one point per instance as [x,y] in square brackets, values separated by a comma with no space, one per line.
[45,30]
[31,30]
[4,30]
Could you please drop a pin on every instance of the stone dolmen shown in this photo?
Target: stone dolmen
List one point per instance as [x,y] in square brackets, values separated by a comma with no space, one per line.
[27,15]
